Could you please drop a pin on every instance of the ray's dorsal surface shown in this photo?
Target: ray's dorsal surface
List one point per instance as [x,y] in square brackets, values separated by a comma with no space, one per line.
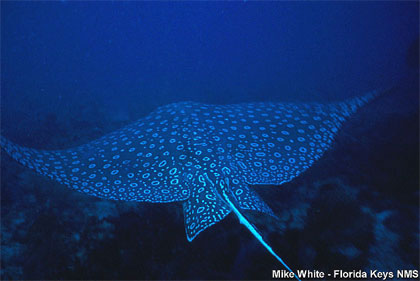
[203,155]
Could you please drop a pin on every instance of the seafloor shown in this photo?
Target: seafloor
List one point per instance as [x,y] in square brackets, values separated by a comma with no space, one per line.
[356,208]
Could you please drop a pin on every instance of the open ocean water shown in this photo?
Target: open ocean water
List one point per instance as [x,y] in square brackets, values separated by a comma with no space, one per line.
[72,72]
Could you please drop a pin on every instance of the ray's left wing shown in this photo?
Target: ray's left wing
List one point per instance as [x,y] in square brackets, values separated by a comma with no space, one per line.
[140,162]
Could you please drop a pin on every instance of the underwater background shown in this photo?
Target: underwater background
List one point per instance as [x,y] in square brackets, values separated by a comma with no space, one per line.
[74,71]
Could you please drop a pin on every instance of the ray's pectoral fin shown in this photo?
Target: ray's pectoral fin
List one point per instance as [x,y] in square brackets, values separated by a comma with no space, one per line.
[245,197]
[203,209]
[248,199]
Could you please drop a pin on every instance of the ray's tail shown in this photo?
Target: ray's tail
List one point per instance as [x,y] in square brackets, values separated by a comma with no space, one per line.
[257,235]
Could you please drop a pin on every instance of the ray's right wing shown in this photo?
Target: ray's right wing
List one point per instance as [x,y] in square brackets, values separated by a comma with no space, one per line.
[272,143]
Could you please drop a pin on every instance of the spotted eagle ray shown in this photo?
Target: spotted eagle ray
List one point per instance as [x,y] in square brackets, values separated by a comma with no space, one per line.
[204,155]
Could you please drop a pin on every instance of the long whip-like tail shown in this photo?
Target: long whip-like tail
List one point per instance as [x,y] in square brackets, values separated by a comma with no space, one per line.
[257,235]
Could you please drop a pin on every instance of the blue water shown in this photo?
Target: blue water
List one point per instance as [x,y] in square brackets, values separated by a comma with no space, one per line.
[72,72]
